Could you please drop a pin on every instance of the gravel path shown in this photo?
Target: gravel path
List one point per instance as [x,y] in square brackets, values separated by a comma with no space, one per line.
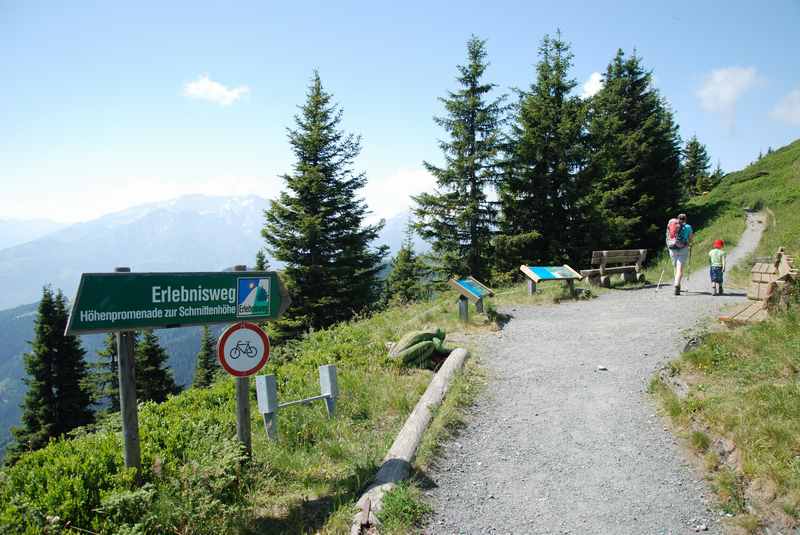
[556,445]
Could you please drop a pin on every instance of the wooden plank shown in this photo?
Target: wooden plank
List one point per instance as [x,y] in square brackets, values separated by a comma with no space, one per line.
[608,270]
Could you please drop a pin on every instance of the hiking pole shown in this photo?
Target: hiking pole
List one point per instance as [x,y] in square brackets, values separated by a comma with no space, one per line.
[658,287]
[686,269]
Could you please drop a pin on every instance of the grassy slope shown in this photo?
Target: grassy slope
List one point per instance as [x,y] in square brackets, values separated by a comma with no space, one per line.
[744,385]
[193,479]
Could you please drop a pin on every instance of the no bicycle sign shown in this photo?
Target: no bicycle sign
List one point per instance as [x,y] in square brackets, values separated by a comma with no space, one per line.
[243,349]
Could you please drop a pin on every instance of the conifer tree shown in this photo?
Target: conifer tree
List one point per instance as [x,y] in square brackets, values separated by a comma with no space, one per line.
[57,400]
[316,226]
[541,191]
[696,164]
[716,176]
[634,162]
[74,399]
[103,378]
[458,219]
[262,264]
[206,360]
[404,282]
[154,381]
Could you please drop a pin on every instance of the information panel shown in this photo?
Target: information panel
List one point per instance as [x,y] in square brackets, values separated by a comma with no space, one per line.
[544,273]
[471,288]
[131,301]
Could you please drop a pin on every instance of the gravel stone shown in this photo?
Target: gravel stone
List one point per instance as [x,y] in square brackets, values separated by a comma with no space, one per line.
[549,448]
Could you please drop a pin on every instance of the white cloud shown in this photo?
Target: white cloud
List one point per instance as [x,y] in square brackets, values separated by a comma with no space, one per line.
[592,85]
[788,109]
[205,88]
[723,87]
[391,194]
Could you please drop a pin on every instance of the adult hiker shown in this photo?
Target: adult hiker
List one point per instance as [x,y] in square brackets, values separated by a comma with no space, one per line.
[679,243]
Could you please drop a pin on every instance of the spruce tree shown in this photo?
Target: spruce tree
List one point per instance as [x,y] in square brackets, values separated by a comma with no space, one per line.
[634,162]
[404,282]
[458,219]
[542,214]
[262,264]
[316,226]
[103,376]
[74,399]
[206,360]
[57,400]
[696,164]
[154,381]
[716,176]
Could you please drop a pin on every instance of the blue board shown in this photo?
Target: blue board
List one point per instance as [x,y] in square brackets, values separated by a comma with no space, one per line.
[550,273]
[543,272]
[468,285]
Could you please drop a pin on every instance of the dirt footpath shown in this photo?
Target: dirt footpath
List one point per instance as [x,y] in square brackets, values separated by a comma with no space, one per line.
[558,445]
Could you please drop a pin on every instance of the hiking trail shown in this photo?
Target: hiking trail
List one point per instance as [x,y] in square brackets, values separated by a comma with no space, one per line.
[555,445]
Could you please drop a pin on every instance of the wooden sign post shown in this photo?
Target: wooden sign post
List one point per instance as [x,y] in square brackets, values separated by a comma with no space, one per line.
[128,406]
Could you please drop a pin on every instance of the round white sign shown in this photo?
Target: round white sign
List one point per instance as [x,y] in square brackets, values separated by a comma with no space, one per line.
[243,349]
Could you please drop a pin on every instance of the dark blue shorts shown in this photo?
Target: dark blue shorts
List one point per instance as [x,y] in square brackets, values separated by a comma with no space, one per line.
[716,274]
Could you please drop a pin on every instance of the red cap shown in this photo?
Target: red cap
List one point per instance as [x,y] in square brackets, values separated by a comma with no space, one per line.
[719,244]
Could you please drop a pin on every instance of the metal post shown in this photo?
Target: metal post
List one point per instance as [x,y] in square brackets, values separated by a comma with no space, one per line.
[128,407]
[329,387]
[479,306]
[267,394]
[463,309]
[243,432]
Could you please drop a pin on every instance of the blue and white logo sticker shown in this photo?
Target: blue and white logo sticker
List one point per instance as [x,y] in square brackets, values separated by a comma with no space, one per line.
[252,296]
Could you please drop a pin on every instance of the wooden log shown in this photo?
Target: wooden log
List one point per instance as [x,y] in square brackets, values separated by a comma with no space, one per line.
[396,465]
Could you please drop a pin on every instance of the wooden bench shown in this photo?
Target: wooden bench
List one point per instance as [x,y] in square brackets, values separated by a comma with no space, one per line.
[767,283]
[626,262]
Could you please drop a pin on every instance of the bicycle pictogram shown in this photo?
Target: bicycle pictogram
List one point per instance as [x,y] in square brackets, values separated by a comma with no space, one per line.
[243,347]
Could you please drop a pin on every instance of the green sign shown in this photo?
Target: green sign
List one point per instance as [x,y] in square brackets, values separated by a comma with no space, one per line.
[131,301]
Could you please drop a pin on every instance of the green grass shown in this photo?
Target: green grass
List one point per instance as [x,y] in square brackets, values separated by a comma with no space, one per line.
[772,185]
[403,510]
[745,384]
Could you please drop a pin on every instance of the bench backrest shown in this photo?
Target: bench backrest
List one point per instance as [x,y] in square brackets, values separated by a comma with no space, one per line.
[625,256]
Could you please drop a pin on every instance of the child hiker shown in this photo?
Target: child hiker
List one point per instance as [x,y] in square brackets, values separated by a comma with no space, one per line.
[717,259]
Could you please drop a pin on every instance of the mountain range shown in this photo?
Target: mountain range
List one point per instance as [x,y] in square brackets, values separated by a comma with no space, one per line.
[192,233]
[17,231]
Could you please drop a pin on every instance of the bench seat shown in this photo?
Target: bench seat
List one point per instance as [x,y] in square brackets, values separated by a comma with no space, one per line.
[627,262]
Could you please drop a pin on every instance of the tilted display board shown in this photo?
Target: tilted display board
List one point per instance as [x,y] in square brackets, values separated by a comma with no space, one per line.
[131,301]
[550,273]
[470,288]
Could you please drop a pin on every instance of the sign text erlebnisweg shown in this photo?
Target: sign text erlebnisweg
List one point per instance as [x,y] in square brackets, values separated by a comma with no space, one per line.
[126,301]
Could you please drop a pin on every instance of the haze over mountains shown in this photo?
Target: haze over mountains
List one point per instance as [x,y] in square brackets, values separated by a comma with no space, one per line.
[17,231]
[192,233]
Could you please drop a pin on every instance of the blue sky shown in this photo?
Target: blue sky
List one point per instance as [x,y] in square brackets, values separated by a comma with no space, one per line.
[104,105]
